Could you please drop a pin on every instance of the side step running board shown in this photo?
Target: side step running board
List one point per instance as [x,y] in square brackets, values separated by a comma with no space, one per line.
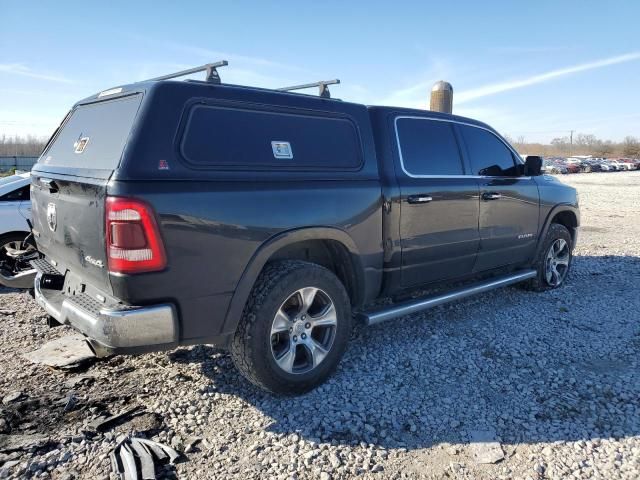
[401,309]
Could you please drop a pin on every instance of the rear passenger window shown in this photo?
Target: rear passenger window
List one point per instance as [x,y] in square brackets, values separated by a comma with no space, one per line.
[489,156]
[428,147]
[228,137]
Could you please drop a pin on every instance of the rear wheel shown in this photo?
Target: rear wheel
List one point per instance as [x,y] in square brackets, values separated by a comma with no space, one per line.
[554,260]
[294,329]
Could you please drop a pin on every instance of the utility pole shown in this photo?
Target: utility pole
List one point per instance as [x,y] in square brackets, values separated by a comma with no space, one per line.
[571,142]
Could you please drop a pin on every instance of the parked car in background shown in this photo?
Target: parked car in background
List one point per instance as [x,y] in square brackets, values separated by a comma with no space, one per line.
[15,209]
[585,166]
[577,164]
[636,162]
[614,166]
[553,167]
[548,167]
[594,165]
[573,167]
[626,163]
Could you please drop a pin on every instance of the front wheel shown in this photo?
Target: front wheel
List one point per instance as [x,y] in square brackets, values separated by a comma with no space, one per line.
[11,246]
[294,329]
[554,260]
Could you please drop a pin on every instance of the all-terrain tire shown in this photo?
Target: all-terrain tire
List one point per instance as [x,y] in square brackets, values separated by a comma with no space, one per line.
[251,346]
[539,283]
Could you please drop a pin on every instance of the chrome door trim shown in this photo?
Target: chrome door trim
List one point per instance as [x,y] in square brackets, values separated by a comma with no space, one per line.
[414,117]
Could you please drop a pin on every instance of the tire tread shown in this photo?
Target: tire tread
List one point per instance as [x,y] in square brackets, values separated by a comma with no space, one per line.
[242,347]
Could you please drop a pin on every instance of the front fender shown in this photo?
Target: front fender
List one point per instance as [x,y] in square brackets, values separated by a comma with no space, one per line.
[565,207]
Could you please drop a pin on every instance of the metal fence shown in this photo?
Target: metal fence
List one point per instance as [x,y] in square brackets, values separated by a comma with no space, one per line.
[18,163]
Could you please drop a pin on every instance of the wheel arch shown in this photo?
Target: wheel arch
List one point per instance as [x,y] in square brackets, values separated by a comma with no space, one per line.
[294,244]
[566,215]
[25,234]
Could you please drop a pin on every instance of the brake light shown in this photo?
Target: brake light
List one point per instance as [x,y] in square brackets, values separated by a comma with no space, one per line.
[133,239]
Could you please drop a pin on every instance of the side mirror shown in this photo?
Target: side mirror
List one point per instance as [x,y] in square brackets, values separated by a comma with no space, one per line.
[533,166]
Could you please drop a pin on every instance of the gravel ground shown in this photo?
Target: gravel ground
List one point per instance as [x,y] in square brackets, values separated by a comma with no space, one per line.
[544,385]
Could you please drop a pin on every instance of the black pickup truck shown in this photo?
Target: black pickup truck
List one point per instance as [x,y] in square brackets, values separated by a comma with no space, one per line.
[175,213]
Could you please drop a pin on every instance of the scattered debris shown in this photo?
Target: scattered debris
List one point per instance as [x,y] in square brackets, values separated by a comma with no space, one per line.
[12,397]
[144,422]
[70,402]
[134,458]
[484,447]
[103,423]
[5,311]
[5,426]
[147,467]
[67,352]
[21,442]
[79,380]
[190,444]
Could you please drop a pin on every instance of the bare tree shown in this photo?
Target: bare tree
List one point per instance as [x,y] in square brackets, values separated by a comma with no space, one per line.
[29,146]
[583,144]
[603,149]
[631,147]
[561,144]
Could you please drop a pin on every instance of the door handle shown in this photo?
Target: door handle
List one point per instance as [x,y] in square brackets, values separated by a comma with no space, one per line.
[491,196]
[420,198]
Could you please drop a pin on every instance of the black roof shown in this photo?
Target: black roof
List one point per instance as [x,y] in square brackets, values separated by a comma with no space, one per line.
[265,94]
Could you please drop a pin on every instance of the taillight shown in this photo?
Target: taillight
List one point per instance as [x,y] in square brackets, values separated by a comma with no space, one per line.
[133,239]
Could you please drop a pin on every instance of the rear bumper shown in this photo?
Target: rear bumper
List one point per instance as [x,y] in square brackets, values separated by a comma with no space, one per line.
[112,329]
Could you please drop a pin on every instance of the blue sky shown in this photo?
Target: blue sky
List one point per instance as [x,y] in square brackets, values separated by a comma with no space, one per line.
[533,69]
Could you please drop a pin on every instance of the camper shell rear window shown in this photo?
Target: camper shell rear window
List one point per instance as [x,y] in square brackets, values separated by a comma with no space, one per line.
[94,135]
[225,137]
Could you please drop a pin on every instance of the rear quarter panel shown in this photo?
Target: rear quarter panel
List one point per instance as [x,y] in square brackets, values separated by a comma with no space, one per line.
[212,230]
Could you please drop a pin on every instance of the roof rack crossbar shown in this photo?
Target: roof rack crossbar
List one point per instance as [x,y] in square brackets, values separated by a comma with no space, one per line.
[322,86]
[210,68]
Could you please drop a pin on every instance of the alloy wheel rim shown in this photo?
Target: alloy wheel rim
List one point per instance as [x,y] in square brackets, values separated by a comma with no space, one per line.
[303,330]
[557,262]
[9,246]
[11,261]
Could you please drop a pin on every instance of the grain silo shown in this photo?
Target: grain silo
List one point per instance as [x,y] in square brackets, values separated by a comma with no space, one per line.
[441,97]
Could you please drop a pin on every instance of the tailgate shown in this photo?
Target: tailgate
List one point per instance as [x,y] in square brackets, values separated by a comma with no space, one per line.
[68,222]
[69,186]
